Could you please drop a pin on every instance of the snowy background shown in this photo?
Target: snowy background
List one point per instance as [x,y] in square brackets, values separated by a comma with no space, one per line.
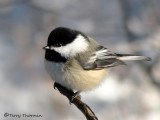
[130,92]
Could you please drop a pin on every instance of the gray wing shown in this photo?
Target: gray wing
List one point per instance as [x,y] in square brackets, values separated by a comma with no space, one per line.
[103,58]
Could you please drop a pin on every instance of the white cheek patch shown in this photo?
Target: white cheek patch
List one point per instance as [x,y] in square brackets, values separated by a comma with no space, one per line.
[77,46]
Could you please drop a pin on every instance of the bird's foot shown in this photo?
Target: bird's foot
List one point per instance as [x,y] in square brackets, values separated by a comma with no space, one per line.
[68,93]
[76,94]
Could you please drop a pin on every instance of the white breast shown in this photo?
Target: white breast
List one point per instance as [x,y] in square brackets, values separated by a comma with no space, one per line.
[75,78]
[55,70]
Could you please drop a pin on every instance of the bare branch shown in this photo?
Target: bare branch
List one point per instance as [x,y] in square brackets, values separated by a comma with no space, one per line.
[84,108]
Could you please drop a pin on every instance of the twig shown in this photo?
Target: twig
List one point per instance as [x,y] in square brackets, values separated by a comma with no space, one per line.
[84,108]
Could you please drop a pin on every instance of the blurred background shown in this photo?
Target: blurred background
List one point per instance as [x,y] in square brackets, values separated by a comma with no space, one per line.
[131,92]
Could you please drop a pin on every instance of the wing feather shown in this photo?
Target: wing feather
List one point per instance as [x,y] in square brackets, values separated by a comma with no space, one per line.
[104,58]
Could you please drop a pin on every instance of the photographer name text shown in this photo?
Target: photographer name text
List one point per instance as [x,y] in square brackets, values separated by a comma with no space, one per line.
[11,115]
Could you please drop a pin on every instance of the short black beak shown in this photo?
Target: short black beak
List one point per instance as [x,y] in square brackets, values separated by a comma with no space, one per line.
[46,48]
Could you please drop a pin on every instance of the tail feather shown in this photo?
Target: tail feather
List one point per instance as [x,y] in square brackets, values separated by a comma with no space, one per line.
[133,57]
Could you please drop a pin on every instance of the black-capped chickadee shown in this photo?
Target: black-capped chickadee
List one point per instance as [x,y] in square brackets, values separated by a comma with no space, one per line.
[78,62]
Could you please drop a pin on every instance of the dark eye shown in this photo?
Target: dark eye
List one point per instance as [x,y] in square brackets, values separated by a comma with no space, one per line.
[58,45]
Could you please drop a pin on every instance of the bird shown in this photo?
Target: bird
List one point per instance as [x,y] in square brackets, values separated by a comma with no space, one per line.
[79,63]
